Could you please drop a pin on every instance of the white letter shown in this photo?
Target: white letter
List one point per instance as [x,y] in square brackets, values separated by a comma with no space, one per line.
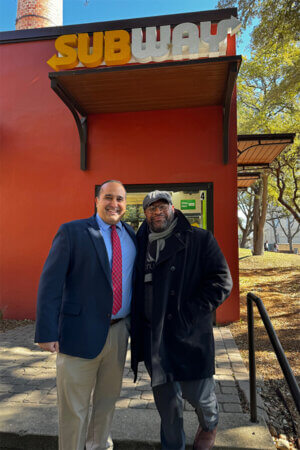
[218,43]
[152,49]
[185,41]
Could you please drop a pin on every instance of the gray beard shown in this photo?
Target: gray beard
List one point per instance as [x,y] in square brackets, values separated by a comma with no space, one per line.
[166,227]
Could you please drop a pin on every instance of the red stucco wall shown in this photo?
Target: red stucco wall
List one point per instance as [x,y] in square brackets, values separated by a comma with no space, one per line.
[42,184]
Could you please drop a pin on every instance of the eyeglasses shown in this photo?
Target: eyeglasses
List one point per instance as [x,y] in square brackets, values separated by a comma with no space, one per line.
[161,208]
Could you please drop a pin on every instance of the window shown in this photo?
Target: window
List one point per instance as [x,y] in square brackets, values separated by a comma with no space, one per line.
[194,200]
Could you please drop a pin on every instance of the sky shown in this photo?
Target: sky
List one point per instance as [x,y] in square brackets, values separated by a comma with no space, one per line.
[86,11]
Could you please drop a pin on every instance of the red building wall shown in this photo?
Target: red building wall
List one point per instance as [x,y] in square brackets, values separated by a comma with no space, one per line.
[42,185]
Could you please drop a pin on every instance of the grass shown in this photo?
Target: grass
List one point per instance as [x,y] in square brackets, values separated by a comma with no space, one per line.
[267,260]
[274,277]
[244,252]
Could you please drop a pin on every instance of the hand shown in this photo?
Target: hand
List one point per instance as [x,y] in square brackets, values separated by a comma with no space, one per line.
[50,346]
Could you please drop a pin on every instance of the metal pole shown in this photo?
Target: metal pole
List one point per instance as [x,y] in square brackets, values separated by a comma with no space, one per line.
[284,364]
[252,368]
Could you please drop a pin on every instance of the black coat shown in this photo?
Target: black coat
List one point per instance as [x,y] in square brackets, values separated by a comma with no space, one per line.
[190,280]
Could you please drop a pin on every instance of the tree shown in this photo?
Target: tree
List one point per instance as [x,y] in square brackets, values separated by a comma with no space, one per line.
[261,109]
[245,205]
[286,177]
[278,20]
[268,95]
[274,215]
[269,82]
[290,230]
[278,217]
[268,102]
[260,189]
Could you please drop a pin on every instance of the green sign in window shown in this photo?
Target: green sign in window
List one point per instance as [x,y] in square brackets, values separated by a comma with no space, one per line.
[187,204]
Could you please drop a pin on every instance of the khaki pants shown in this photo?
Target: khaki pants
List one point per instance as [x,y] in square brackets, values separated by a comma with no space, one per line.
[77,378]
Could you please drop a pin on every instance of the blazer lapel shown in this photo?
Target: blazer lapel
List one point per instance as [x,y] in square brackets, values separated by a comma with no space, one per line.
[99,244]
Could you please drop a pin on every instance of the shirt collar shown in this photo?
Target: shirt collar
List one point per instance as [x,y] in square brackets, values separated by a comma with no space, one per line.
[105,226]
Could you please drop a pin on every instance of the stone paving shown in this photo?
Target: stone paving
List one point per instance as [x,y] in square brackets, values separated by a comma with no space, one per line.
[28,373]
[28,412]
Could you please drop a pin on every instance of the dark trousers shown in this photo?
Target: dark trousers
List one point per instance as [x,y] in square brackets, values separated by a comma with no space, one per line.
[169,402]
[169,398]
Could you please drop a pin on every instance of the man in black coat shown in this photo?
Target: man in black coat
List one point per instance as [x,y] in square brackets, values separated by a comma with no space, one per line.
[182,277]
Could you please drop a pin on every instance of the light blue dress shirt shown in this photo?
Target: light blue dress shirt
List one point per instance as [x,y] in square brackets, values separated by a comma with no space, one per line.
[128,257]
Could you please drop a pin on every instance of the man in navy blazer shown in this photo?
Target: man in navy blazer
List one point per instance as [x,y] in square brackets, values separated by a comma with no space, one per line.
[74,319]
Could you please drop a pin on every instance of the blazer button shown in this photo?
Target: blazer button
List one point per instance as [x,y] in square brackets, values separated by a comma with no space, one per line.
[172,292]
[169,317]
[172,268]
[109,315]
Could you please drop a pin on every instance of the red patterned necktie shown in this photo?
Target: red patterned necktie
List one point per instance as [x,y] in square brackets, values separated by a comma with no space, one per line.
[116,270]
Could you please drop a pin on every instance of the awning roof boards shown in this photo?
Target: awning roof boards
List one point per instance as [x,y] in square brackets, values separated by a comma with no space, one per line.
[257,151]
[150,86]
[142,87]
[261,149]
[246,180]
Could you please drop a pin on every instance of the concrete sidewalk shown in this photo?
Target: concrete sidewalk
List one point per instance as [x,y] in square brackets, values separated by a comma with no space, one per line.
[28,416]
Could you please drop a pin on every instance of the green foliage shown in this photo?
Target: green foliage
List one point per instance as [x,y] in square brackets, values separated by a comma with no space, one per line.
[278,20]
[134,215]
[269,85]
[268,90]
[268,102]
[269,82]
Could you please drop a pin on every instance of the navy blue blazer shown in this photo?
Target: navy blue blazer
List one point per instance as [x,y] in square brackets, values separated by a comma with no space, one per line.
[75,296]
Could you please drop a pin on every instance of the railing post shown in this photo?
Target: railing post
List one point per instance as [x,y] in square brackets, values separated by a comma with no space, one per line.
[252,368]
[282,359]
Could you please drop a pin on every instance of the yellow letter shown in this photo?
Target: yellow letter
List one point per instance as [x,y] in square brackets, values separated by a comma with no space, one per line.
[117,47]
[96,57]
[65,46]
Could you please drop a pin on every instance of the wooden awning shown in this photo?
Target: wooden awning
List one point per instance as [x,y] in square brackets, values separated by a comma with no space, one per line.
[149,86]
[246,180]
[258,151]
[142,87]
[261,149]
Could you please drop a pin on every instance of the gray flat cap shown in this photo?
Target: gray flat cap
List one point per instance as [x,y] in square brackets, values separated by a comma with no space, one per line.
[154,196]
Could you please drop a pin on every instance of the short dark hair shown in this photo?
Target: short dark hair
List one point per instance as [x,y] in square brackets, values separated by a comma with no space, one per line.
[99,188]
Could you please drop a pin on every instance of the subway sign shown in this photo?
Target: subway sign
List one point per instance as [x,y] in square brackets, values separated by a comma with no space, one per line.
[155,44]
